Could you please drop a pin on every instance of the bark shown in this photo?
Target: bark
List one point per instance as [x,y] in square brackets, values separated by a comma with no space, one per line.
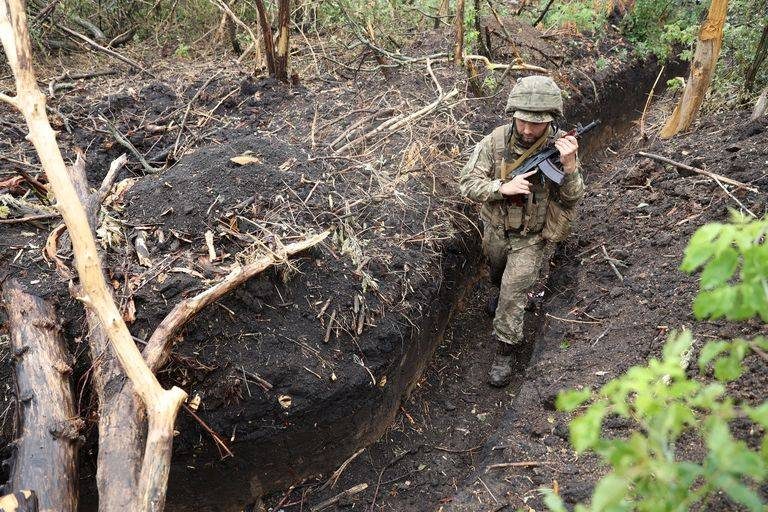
[442,12]
[760,54]
[163,405]
[121,438]
[702,69]
[481,48]
[227,33]
[46,449]
[458,27]
[761,105]
[266,33]
[283,40]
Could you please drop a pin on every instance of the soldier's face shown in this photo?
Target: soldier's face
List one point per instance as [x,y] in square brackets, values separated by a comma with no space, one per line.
[530,132]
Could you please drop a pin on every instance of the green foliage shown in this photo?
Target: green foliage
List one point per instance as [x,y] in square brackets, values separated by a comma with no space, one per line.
[584,15]
[665,403]
[182,51]
[658,26]
[743,28]
[676,84]
[725,252]
[670,29]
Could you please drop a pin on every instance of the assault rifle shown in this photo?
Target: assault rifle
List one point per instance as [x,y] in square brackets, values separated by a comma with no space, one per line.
[548,158]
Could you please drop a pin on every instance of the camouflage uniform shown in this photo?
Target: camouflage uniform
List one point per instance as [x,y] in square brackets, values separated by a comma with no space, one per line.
[513,240]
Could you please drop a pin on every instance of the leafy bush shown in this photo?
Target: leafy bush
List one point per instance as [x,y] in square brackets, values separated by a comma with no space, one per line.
[647,473]
[658,26]
[584,15]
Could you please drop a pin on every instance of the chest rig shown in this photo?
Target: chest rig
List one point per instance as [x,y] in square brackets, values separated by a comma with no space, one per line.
[523,215]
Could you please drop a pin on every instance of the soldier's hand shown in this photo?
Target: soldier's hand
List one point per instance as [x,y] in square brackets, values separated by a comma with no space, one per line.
[568,147]
[517,185]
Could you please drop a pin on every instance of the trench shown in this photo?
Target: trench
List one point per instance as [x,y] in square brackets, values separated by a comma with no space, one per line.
[325,436]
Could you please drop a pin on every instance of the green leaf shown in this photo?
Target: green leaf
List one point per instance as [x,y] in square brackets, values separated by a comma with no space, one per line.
[714,303]
[609,491]
[759,414]
[585,430]
[700,248]
[740,493]
[728,369]
[552,501]
[677,345]
[707,397]
[569,400]
[710,350]
[720,269]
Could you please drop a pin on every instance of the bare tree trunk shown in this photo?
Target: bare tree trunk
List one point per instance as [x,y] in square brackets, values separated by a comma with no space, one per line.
[266,33]
[162,405]
[442,12]
[702,69]
[761,105]
[121,440]
[227,33]
[283,40]
[458,26]
[760,54]
[481,48]
[46,450]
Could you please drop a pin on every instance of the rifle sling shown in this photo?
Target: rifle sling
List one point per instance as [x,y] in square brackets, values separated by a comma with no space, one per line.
[508,168]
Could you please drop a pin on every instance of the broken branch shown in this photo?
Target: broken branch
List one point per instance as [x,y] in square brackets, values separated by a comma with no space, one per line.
[708,174]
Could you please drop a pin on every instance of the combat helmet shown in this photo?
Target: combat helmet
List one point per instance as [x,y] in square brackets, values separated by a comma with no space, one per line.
[535,98]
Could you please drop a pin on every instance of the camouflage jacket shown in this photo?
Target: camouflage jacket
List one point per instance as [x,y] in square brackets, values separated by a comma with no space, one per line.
[480,181]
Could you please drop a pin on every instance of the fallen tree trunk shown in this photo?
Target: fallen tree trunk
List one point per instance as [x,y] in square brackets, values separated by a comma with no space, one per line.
[118,464]
[46,449]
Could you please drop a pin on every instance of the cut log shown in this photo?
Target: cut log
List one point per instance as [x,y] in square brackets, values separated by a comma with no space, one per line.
[46,449]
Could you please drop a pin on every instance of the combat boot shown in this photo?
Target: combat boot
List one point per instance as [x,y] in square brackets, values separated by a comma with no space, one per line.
[500,373]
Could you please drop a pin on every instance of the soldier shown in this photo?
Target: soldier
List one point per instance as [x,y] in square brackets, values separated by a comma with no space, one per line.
[521,214]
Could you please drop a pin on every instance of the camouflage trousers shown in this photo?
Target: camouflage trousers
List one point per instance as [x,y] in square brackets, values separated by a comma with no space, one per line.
[514,265]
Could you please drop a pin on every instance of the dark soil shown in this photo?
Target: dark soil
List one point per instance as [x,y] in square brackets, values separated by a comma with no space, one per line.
[597,326]
[403,252]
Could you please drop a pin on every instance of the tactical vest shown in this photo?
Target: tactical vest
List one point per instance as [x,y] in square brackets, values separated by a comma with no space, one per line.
[519,215]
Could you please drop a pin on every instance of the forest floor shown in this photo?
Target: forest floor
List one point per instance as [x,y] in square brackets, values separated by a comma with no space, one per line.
[455,434]
[329,331]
